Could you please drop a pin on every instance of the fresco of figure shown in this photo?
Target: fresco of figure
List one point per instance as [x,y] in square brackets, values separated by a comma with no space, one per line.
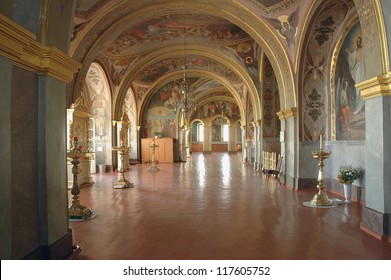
[287,27]
[357,71]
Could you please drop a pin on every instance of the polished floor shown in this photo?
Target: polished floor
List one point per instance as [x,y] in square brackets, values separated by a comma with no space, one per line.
[215,207]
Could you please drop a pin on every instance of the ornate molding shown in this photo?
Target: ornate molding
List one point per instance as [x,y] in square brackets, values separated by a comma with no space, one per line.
[375,87]
[20,46]
[81,105]
[288,113]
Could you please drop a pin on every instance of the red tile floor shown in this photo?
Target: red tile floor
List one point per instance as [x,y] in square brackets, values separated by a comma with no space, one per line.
[215,207]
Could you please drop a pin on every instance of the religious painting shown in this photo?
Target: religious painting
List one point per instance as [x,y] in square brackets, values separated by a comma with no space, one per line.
[349,105]
[286,25]
[216,133]
[163,29]
[159,122]
[160,118]
[99,96]
[221,107]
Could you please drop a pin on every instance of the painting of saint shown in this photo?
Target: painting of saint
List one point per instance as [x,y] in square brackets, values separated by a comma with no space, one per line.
[349,105]
[100,119]
[357,70]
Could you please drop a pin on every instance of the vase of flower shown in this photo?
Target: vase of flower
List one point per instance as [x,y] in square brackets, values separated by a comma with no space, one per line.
[347,192]
[346,175]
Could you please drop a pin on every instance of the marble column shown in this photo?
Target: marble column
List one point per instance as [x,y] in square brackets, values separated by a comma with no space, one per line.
[258,134]
[244,144]
[207,139]
[377,210]
[232,139]
[289,148]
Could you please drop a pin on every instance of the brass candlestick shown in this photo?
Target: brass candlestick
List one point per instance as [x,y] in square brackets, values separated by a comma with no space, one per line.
[122,183]
[153,166]
[321,199]
[76,211]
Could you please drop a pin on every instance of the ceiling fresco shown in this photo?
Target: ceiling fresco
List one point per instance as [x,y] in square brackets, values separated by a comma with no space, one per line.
[175,34]
[175,29]
[167,66]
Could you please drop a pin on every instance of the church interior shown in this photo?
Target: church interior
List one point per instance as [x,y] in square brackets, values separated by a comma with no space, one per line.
[193,129]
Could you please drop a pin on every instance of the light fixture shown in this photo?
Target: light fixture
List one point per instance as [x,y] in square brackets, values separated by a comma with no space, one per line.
[184,103]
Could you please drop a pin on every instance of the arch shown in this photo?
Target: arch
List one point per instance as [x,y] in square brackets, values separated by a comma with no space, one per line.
[202,51]
[230,10]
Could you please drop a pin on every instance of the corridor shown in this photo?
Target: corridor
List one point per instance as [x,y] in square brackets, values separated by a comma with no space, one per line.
[215,207]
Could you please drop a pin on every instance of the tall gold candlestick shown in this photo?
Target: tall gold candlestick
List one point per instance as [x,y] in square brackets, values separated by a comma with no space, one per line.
[153,166]
[77,211]
[122,183]
[321,199]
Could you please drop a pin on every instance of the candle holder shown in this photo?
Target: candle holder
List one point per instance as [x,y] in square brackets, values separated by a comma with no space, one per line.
[122,183]
[321,199]
[153,166]
[77,211]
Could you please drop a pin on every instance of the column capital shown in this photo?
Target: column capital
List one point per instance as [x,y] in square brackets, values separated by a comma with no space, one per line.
[287,113]
[257,123]
[20,46]
[375,87]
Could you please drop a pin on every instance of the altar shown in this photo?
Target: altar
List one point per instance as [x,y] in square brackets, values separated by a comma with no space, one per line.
[80,124]
[163,154]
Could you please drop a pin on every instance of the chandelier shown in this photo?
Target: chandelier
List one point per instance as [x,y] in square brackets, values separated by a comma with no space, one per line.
[184,102]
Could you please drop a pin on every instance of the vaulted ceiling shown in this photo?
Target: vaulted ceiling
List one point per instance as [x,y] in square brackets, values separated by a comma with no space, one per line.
[145,44]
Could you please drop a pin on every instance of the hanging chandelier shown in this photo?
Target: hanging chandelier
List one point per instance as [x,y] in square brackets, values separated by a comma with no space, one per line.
[184,103]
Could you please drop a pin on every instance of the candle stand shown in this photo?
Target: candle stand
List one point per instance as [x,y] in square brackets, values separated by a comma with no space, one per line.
[321,199]
[77,211]
[122,183]
[153,166]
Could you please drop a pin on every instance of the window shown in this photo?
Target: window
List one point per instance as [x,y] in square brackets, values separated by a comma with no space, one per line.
[225,133]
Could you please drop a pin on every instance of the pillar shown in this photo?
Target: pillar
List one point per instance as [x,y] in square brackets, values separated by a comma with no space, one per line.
[33,135]
[377,211]
[244,144]
[232,139]
[289,148]
[207,139]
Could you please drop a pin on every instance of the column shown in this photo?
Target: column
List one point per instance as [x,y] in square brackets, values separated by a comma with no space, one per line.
[32,135]
[207,139]
[6,156]
[244,144]
[232,139]
[377,211]
[258,135]
[289,148]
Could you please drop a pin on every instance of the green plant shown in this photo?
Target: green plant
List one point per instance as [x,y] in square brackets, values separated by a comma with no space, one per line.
[347,174]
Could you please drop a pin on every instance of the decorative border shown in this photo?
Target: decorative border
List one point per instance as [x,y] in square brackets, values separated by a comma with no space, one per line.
[20,46]
[274,8]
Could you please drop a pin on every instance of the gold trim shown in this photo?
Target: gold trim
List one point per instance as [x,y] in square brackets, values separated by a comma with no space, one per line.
[375,87]
[385,58]
[288,113]
[20,46]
